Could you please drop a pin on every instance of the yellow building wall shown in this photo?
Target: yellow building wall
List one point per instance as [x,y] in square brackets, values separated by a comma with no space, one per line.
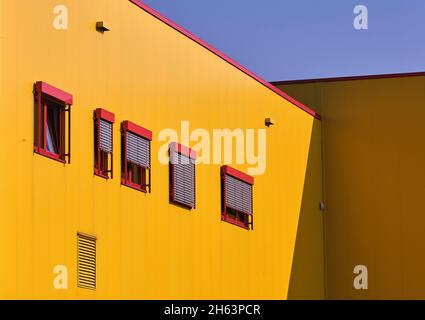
[146,72]
[373,152]
[308,264]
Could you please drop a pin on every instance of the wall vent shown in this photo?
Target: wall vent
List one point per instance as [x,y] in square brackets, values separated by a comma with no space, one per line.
[86,261]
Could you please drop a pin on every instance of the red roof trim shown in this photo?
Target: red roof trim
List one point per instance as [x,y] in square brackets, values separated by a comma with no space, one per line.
[238,174]
[134,128]
[105,115]
[56,93]
[220,54]
[352,78]
[186,151]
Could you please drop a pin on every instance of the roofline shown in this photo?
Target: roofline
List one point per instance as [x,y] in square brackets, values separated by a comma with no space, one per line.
[220,54]
[352,78]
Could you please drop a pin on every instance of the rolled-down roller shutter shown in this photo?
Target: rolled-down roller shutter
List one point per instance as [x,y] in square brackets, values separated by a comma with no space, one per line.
[105,136]
[183,179]
[238,195]
[138,150]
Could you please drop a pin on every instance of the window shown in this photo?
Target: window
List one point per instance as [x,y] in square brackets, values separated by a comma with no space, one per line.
[182,175]
[103,143]
[50,125]
[136,156]
[86,261]
[236,195]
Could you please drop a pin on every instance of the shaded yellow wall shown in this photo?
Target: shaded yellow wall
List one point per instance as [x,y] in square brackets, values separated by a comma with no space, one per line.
[146,72]
[308,265]
[373,135]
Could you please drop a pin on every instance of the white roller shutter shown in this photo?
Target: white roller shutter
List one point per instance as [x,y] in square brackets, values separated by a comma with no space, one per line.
[105,132]
[138,150]
[238,195]
[184,180]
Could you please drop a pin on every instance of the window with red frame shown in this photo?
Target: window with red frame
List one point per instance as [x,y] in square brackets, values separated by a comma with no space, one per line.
[103,143]
[182,175]
[136,156]
[236,197]
[52,136]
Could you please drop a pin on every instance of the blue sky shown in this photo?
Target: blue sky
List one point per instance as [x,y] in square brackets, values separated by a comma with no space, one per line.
[298,39]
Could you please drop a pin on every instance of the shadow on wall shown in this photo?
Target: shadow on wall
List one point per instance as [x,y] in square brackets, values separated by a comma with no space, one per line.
[307,274]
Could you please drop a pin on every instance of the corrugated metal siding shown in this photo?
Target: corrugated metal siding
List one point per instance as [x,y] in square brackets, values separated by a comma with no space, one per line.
[238,195]
[105,136]
[86,272]
[138,150]
[184,180]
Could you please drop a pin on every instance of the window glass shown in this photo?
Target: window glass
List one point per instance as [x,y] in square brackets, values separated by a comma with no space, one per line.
[53,130]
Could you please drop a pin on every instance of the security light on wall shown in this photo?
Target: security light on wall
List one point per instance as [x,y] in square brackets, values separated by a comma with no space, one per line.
[269,122]
[101,27]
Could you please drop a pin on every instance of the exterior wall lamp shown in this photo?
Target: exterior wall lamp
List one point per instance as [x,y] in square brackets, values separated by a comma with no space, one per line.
[269,122]
[101,27]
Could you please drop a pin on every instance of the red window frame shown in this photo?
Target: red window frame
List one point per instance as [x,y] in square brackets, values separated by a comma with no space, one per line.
[145,173]
[103,158]
[47,96]
[226,212]
[190,153]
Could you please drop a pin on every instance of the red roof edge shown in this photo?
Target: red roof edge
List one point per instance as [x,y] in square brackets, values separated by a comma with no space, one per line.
[351,78]
[220,54]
